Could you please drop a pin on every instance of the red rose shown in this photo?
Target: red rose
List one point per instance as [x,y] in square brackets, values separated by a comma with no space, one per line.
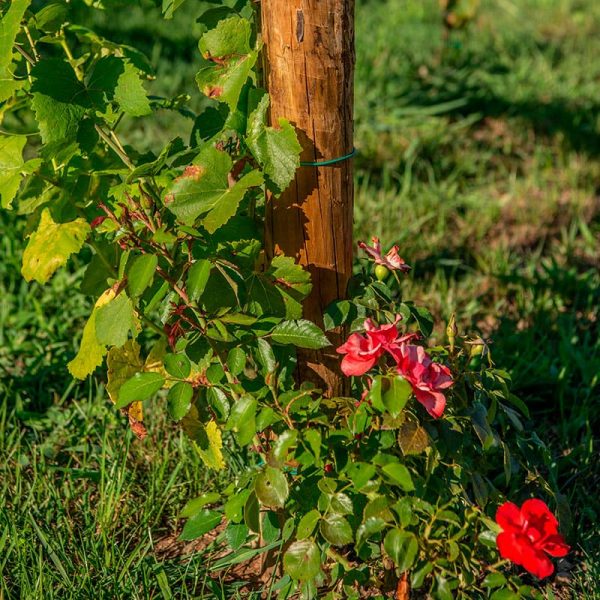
[426,378]
[528,535]
[362,352]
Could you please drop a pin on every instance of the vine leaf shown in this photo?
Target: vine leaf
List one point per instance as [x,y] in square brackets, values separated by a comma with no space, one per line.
[91,352]
[230,58]
[51,245]
[203,191]
[276,150]
[130,94]
[280,290]
[115,320]
[9,28]
[11,167]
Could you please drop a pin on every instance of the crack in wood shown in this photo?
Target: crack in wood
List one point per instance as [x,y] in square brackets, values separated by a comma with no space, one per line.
[300,25]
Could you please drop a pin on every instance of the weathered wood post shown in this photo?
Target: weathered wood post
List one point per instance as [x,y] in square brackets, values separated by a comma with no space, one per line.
[309,71]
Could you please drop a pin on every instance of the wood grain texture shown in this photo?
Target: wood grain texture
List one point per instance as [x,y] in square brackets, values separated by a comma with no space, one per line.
[309,69]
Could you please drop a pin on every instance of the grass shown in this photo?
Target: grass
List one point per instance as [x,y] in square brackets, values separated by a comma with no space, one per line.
[479,155]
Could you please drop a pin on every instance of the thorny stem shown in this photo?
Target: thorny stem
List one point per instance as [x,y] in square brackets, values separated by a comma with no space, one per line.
[174,285]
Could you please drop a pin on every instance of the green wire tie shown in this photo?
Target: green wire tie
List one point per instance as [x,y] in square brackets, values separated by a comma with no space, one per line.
[329,163]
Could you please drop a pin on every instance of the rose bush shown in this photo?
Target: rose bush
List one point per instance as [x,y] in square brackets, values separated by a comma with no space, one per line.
[399,480]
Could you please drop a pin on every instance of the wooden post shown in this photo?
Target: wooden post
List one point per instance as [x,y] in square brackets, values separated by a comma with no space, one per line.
[309,70]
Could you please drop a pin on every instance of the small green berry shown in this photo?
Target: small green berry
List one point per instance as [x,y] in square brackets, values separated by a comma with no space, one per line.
[381,272]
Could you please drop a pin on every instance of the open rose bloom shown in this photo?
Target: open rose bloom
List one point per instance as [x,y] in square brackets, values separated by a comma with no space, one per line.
[428,379]
[529,535]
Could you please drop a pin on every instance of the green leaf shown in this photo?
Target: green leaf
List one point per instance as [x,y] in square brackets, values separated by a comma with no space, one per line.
[230,60]
[276,150]
[217,400]
[57,121]
[300,333]
[50,246]
[230,36]
[266,357]
[413,438]
[236,535]
[270,527]
[197,278]
[141,274]
[402,547]
[291,282]
[337,313]
[307,524]
[60,100]
[236,361]
[9,28]
[341,504]
[193,507]
[140,387]
[370,527]
[114,321]
[360,473]
[178,365]
[242,419]
[252,513]
[51,17]
[227,204]
[130,94]
[203,191]
[400,475]
[336,530]
[494,580]
[302,560]
[11,167]
[201,523]
[283,444]
[505,594]
[179,400]
[170,6]
[271,488]
[396,396]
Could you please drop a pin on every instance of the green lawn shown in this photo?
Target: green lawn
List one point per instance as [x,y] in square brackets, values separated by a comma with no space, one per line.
[479,155]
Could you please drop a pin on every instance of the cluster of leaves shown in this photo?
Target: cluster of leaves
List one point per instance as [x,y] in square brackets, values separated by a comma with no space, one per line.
[187,309]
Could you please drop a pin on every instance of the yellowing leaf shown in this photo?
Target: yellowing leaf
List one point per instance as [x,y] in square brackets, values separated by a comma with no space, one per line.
[209,448]
[123,363]
[155,362]
[51,245]
[91,353]
[206,438]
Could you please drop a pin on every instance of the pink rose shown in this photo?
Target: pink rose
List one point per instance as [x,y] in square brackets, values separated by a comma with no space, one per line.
[426,378]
